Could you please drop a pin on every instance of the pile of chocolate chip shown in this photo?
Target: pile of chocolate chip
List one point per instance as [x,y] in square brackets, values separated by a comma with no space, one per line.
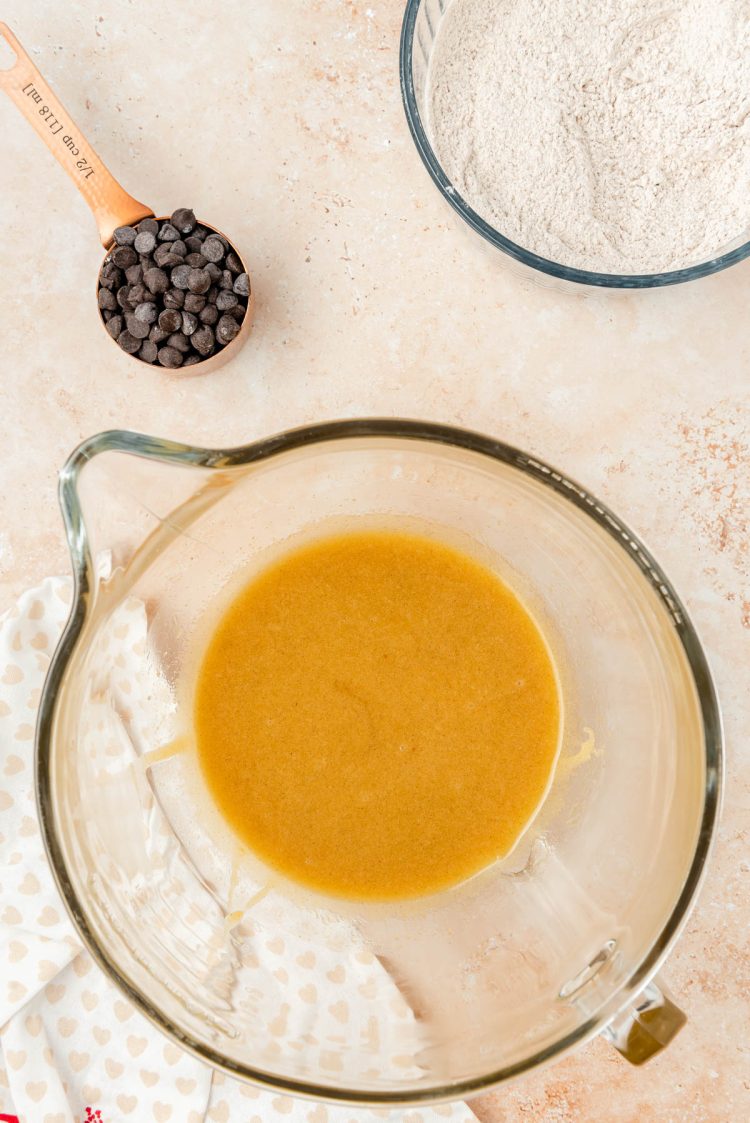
[172,292]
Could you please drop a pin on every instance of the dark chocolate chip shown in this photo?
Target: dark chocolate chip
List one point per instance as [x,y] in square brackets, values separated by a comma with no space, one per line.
[134,274]
[238,312]
[107,299]
[138,293]
[170,319]
[175,298]
[199,281]
[226,330]
[194,302]
[124,256]
[233,262]
[209,315]
[157,334]
[184,220]
[180,341]
[200,233]
[156,280]
[227,280]
[242,285]
[179,276]
[110,276]
[170,357]
[136,327]
[213,271]
[148,351]
[226,300]
[212,249]
[123,298]
[114,326]
[144,242]
[179,248]
[191,360]
[189,323]
[195,260]
[128,342]
[203,340]
[168,233]
[124,235]
[193,244]
[147,312]
[148,226]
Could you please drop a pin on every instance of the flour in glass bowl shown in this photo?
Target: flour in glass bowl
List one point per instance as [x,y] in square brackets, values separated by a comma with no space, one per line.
[609,135]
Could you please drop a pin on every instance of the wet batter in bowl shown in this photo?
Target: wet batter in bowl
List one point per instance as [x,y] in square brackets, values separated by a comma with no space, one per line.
[377,715]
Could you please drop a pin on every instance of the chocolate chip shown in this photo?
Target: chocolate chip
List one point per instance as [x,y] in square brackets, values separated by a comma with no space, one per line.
[203,340]
[227,280]
[148,351]
[191,360]
[179,276]
[124,256]
[179,248]
[110,277]
[124,235]
[209,315]
[167,260]
[195,260]
[114,326]
[137,295]
[147,312]
[157,334]
[156,280]
[144,242]
[136,327]
[199,281]
[168,233]
[179,341]
[128,342]
[170,357]
[242,285]
[193,244]
[148,226]
[194,302]
[175,298]
[238,312]
[225,300]
[234,263]
[226,330]
[189,323]
[107,299]
[212,249]
[184,220]
[170,320]
[134,274]
[123,298]
[201,233]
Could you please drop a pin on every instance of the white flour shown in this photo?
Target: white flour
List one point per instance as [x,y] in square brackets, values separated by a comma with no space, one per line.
[612,135]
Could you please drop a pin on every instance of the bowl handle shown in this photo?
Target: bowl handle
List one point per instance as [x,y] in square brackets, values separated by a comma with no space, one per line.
[646,1027]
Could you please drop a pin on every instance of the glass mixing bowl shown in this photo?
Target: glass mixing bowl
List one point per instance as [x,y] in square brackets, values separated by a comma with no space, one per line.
[375,1003]
[420,28]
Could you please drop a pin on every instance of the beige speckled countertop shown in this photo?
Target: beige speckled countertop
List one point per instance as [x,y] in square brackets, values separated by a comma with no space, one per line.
[283,123]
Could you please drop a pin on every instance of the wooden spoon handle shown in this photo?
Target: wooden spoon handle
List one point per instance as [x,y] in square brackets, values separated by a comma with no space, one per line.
[109,202]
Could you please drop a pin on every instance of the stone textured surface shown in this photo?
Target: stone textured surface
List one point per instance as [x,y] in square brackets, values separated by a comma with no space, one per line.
[282,123]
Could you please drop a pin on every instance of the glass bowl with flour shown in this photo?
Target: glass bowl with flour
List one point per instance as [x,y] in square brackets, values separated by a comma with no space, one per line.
[605,142]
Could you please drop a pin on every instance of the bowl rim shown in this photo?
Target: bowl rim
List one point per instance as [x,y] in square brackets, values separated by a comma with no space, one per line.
[264,449]
[541,264]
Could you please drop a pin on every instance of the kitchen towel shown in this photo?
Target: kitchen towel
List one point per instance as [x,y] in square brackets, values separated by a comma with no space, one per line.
[72,1049]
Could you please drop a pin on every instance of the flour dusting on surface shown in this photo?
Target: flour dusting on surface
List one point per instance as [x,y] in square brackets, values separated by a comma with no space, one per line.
[610,135]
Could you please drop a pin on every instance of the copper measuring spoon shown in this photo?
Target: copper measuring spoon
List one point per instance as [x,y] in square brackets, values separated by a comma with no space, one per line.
[109,203]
